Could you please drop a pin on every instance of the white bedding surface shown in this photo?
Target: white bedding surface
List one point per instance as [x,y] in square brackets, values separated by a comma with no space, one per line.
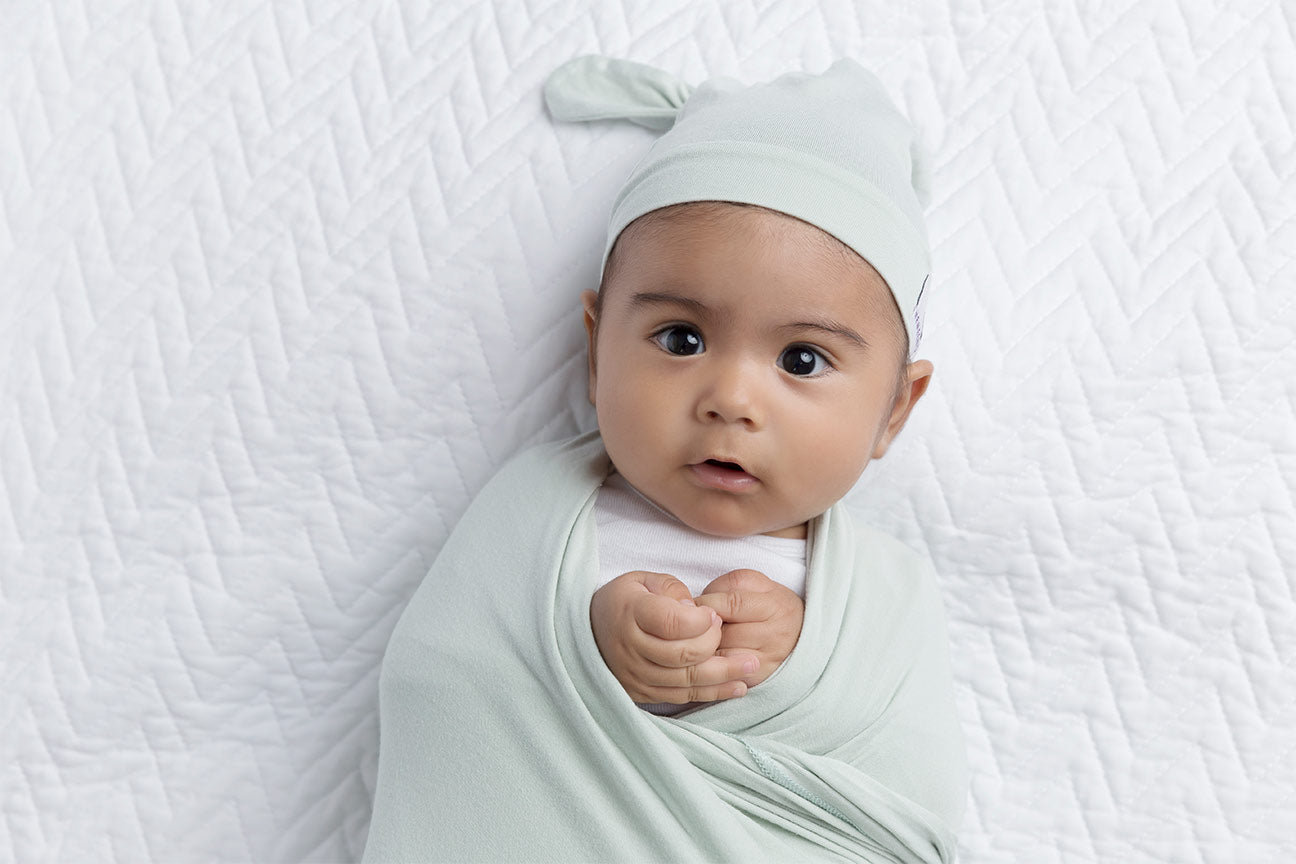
[282,284]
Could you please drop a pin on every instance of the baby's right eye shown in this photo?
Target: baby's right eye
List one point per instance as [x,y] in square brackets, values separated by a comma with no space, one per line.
[679,339]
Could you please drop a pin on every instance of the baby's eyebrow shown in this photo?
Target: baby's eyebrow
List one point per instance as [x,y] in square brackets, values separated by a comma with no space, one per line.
[828,326]
[649,298]
[642,299]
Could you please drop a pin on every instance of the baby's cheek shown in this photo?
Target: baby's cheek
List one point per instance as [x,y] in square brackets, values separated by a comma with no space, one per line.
[835,460]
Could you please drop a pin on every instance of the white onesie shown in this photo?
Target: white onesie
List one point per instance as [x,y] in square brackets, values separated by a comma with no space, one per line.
[636,534]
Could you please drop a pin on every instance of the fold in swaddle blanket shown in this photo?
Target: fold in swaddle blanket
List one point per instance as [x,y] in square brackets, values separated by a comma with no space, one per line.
[504,737]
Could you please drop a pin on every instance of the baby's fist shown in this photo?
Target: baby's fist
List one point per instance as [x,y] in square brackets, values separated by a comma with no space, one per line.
[660,645]
[760,616]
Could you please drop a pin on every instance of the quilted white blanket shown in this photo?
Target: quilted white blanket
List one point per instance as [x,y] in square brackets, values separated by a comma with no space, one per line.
[281,286]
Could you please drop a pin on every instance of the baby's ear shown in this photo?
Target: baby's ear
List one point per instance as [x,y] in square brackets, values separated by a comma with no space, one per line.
[917,378]
[589,302]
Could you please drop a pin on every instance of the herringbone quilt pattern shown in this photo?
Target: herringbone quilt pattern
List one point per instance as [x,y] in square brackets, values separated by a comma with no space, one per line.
[282,284]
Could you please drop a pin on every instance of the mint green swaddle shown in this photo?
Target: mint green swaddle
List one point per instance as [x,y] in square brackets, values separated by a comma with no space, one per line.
[504,737]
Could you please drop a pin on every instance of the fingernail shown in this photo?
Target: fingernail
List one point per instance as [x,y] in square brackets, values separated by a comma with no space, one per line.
[715,617]
[740,689]
[751,664]
[688,601]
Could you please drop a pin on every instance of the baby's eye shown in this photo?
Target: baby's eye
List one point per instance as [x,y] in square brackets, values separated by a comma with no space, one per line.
[802,361]
[680,339]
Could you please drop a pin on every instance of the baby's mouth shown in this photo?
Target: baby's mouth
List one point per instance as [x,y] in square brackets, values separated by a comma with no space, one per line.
[723,475]
[731,466]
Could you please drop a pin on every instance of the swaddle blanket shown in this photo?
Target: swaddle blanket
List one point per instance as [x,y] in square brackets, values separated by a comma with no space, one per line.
[504,737]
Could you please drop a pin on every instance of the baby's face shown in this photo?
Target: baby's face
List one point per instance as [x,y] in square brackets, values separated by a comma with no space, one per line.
[740,336]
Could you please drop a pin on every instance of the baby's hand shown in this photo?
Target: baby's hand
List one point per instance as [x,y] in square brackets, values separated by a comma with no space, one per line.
[661,645]
[761,616]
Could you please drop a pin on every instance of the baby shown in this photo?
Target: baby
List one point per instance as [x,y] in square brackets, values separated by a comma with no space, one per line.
[745,367]
[746,360]
[751,348]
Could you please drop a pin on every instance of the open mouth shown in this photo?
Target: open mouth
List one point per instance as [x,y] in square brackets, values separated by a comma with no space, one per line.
[731,466]
[723,475]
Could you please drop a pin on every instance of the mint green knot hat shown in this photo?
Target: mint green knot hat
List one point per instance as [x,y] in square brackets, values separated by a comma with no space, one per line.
[831,150]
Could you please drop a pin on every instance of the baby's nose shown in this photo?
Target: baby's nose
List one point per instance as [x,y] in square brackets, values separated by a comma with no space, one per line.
[733,395]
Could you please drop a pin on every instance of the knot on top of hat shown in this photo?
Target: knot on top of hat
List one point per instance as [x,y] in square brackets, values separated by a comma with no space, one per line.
[606,88]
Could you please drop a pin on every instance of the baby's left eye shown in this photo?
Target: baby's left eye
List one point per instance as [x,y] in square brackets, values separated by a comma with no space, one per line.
[802,361]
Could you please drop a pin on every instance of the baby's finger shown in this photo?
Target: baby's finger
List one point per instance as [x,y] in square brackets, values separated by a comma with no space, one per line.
[677,653]
[718,678]
[716,693]
[670,619]
[738,606]
[719,670]
[757,637]
[711,672]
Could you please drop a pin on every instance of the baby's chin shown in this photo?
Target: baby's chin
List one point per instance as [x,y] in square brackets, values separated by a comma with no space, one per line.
[732,529]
